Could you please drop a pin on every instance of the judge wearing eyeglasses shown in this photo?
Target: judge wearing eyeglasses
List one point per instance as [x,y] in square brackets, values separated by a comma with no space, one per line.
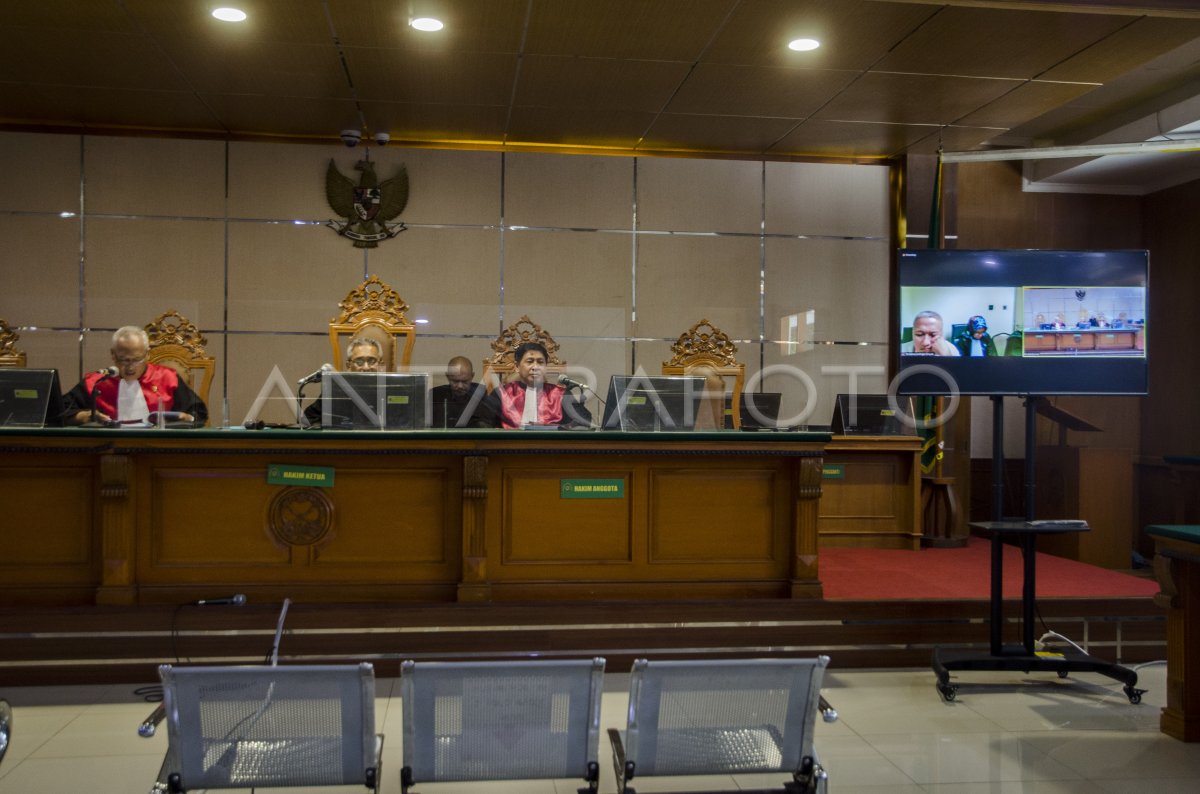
[362,355]
[137,390]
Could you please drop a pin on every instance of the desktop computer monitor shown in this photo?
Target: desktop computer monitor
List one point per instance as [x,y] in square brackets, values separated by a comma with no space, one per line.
[652,403]
[374,400]
[30,398]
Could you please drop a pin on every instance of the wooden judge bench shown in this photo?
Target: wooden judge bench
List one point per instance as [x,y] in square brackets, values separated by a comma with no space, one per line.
[162,516]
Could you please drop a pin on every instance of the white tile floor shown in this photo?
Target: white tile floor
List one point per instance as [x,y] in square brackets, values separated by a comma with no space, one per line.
[1007,732]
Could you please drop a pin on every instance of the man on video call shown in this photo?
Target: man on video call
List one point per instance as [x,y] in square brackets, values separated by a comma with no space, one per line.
[529,400]
[138,388]
[927,336]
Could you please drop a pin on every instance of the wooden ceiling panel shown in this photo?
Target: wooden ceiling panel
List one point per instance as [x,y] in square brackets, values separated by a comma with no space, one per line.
[471,26]
[673,30]
[1024,103]
[65,14]
[600,83]
[583,127]
[1126,49]
[677,131]
[817,138]
[853,33]
[432,77]
[952,139]
[913,99]
[80,57]
[286,116]
[988,42]
[465,123]
[306,70]
[720,89]
[278,21]
[105,107]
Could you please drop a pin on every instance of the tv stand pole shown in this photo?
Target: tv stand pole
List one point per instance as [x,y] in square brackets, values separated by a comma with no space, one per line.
[1024,657]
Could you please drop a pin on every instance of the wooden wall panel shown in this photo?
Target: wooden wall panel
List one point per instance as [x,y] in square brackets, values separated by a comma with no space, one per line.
[48,523]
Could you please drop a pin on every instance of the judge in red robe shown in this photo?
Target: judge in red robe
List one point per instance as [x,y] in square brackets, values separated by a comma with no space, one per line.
[529,400]
[137,390]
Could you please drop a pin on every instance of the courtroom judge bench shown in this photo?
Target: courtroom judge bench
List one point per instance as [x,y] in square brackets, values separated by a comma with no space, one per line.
[144,517]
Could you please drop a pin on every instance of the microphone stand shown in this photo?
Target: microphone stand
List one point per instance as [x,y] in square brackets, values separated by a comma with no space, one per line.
[92,420]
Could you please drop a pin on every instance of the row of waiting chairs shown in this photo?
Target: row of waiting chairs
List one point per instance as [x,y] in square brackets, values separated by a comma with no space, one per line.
[314,725]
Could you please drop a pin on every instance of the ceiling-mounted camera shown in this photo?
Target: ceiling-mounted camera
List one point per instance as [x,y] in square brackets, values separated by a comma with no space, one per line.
[351,138]
[382,138]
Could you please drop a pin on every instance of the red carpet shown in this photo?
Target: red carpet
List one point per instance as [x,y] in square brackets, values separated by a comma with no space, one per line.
[964,573]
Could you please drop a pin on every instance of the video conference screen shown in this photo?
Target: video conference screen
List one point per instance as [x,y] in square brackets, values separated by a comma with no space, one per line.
[1022,322]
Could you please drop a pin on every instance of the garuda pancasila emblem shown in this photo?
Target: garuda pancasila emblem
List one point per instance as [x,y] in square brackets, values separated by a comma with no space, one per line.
[367,206]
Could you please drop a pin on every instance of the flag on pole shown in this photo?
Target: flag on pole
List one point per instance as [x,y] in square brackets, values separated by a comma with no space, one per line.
[928,408]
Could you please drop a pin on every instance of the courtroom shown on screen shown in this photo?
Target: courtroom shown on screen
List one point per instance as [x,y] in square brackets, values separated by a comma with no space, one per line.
[1085,321]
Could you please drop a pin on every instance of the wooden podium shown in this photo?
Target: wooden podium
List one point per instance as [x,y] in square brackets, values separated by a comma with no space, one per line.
[1092,483]
[1177,568]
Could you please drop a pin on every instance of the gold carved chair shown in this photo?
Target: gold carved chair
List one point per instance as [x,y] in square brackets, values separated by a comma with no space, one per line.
[9,355]
[705,350]
[376,311]
[177,343]
[499,366]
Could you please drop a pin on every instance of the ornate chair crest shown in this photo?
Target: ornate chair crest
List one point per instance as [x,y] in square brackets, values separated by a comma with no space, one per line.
[9,355]
[374,310]
[706,349]
[500,364]
[176,342]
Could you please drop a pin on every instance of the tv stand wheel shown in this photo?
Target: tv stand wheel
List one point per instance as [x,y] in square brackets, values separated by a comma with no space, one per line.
[947,691]
[1062,673]
[1135,695]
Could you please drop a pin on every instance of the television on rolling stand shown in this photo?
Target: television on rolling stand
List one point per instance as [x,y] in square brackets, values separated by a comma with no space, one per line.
[652,403]
[1036,322]
[374,400]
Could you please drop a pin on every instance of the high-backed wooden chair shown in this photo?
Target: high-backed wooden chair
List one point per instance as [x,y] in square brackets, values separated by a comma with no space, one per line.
[9,355]
[500,365]
[177,343]
[705,350]
[376,311]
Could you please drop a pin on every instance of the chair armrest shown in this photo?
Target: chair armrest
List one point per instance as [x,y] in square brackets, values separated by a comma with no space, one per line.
[622,770]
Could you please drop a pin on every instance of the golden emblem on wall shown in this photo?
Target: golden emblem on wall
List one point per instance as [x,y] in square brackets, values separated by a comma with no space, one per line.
[367,206]
[300,516]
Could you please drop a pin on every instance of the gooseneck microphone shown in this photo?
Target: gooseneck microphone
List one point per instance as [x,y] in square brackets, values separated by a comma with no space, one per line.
[563,380]
[105,373]
[236,601]
[315,377]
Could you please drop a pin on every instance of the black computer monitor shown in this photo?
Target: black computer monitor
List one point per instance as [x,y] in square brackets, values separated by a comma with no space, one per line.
[374,400]
[30,398]
[652,403]
[872,415]
[758,411]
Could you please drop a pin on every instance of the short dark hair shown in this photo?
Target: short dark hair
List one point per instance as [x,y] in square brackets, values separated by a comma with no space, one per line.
[525,347]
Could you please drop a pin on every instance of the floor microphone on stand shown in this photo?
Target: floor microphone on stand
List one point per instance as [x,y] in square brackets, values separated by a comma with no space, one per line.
[235,600]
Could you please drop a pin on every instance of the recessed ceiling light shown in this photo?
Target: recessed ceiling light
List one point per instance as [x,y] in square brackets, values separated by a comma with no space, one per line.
[803,45]
[421,321]
[427,24]
[229,14]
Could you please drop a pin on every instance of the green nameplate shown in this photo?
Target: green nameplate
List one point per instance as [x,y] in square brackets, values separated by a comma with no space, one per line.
[25,394]
[591,489]
[312,476]
[397,399]
[833,471]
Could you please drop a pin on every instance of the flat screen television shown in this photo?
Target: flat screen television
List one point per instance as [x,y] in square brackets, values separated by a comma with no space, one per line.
[30,398]
[652,402]
[1021,322]
[374,400]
